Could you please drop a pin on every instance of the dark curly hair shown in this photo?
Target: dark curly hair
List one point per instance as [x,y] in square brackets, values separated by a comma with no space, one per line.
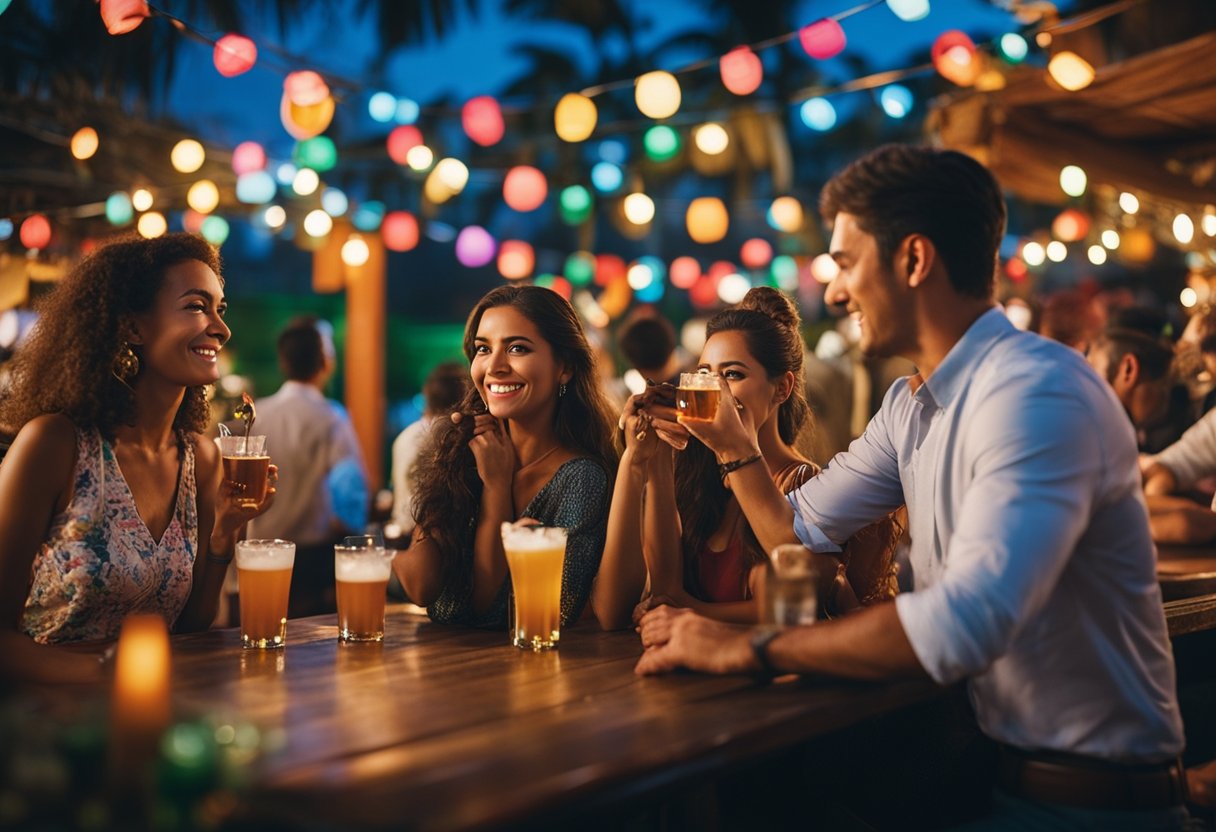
[447,486]
[67,364]
[898,190]
[769,323]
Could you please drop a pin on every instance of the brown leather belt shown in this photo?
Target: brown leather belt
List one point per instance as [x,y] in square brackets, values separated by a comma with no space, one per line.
[1089,783]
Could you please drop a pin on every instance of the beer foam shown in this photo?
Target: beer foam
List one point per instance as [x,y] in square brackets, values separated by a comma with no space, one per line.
[363,568]
[519,538]
[265,555]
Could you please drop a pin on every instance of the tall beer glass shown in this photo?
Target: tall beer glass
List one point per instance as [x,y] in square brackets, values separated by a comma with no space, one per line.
[246,463]
[361,574]
[264,571]
[535,556]
[698,395]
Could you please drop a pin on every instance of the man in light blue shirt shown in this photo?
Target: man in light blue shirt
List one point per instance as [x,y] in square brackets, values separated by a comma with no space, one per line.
[1033,568]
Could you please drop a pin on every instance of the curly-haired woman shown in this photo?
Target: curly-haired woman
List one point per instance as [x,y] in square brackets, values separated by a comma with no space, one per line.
[544,450]
[698,545]
[110,502]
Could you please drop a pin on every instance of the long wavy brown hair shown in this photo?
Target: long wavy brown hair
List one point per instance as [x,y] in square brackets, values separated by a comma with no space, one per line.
[447,486]
[67,364]
[768,322]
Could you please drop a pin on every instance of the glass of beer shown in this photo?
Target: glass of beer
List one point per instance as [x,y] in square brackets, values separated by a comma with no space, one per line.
[698,395]
[246,463]
[789,587]
[535,556]
[361,574]
[264,572]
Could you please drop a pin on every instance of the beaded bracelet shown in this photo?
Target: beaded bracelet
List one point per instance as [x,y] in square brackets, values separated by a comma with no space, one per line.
[727,468]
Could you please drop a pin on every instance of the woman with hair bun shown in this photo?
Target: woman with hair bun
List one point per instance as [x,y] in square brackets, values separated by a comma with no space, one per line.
[698,546]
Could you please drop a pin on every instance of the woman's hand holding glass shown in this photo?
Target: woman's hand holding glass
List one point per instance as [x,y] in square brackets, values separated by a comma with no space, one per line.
[730,434]
[232,511]
[658,403]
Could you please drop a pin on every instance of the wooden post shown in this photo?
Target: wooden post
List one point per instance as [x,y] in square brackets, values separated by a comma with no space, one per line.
[366,298]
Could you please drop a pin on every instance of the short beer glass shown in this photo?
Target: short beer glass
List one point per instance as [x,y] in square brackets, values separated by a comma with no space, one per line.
[361,574]
[535,556]
[789,587]
[246,463]
[264,572]
[698,395]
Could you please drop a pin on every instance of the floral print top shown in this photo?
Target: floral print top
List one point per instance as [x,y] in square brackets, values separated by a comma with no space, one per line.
[99,562]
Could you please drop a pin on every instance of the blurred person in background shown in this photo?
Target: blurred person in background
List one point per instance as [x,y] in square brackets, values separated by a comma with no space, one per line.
[444,388]
[1138,370]
[323,491]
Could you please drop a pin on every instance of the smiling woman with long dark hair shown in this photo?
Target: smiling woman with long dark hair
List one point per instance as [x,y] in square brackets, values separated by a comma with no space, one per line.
[533,438]
[110,501]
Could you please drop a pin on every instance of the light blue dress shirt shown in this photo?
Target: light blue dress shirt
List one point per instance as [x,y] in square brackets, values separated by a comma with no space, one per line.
[1034,572]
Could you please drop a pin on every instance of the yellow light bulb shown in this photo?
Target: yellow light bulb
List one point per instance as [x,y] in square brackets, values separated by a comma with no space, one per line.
[187,156]
[84,143]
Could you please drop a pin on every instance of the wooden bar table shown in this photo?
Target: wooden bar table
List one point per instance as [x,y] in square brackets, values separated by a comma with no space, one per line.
[443,727]
[1187,575]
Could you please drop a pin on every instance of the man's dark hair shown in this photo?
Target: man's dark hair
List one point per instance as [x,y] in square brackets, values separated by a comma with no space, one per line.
[445,386]
[947,196]
[301,350]
[647,342]
[1154,356]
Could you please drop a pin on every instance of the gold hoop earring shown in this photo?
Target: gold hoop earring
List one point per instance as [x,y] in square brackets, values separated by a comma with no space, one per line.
[126,363]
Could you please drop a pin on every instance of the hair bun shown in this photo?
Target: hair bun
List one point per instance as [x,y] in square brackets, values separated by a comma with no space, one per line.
[769,301]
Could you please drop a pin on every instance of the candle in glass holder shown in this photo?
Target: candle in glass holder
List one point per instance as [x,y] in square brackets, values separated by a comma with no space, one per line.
[140,704]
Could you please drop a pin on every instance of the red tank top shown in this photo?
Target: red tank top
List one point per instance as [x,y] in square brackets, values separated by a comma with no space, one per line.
[722,574]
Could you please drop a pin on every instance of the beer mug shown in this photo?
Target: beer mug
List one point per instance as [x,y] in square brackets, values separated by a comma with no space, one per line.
[698,395]
[264,576]
[361,573]
[246,463]
[535,556]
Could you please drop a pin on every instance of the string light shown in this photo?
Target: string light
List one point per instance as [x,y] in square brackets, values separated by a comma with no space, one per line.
[306,182]
[1033,254]
[1070,71]
[401,140]
[203,196]
[35,232]
[516,259]
[382,107]
[822,39]
[824,268]
[234,55]
[896,100]
[355,251]
[475,247]
[707,219]
[1056,251]
[248,157]
[1184,229]
[1129,203]
[639,208]
[657,94]
[580,268]
[711,139]
[119,210]
[420,158]
[317,223]
[661,143]
[818,114]
[84,143]
[187,156]
[741,71]
[785,214]
[152,224]
[909,11]
[215,230]
[255,188]
[1013,47]
[1110,238]
[141,200]
[525,188]
[574,117]
[1097,255]
[1188,297]
[400,231]
[334,202]
[574,204]
[606,177]
[1073,180]
[275,216]
[482,120]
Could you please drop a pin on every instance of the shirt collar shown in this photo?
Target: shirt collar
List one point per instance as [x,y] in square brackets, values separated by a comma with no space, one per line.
[960,363]
[300,388]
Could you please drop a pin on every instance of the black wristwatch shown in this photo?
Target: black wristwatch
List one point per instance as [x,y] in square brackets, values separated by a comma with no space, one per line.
[760,641]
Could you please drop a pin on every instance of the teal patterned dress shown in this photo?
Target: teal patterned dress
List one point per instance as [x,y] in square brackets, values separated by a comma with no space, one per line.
[100,563]
[575,499]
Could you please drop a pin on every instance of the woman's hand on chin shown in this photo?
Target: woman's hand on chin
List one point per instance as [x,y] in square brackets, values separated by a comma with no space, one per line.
[493,450]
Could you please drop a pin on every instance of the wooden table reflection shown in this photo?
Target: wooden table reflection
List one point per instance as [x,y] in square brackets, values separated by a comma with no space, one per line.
[449,728]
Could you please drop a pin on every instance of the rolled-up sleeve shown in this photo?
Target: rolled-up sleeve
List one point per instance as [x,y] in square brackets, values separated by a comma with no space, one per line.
[856,488]
[1193,456]
[1037,458]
